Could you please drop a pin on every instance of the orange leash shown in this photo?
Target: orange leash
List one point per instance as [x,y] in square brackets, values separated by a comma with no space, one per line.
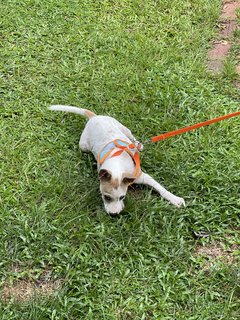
[133,148]
[193,127]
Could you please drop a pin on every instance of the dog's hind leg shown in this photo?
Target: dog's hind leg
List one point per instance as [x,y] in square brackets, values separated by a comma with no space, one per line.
[149,181]
[83,142]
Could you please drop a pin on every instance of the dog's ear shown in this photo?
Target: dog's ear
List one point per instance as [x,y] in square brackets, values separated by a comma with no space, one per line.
[104,175]
[127,180]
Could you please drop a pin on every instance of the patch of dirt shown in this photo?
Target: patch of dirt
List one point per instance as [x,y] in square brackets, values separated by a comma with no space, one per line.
[217,55]
[227,25]
[25,288]
[23,291]
[220,50]
[226,28]
[229,10]
[216,253]
[238,69]
[237,84]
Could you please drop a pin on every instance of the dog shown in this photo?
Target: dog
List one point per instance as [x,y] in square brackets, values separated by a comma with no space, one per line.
[117,154]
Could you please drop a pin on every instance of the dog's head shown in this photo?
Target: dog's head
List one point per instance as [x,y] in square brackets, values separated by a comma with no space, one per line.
[113,190]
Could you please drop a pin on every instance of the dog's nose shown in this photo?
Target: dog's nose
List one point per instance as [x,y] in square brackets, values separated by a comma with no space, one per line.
[113,214]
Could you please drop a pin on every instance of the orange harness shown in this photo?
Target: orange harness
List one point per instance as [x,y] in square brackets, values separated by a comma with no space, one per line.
[131,148]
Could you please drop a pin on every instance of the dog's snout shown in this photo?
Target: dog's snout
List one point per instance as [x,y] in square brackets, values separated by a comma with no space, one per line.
[113,214]
[114,207]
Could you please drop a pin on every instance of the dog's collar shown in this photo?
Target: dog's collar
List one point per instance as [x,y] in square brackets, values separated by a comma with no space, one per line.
[131,148]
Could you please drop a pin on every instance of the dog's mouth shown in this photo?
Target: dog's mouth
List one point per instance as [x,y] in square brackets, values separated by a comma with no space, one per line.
[114,208]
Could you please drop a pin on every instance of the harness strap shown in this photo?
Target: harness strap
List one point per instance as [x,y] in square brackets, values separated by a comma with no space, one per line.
[130,148]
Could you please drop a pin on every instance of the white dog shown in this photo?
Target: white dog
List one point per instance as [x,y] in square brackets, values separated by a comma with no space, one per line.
[117,154]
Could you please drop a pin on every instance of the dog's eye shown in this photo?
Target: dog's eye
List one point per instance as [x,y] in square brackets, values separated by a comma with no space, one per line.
[107,198]
[122,198]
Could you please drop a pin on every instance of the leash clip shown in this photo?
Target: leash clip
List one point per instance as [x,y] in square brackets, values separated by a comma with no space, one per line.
[139,145]
[136,145]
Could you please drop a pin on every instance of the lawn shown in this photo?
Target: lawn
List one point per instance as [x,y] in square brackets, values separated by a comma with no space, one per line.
[143,62]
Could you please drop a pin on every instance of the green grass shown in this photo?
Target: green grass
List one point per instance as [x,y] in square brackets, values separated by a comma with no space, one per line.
[143,62]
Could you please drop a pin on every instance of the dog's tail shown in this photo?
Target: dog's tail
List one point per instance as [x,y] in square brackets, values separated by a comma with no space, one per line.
[83,112]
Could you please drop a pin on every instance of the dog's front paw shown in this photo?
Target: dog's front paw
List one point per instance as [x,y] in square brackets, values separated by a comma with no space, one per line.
[177,201]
